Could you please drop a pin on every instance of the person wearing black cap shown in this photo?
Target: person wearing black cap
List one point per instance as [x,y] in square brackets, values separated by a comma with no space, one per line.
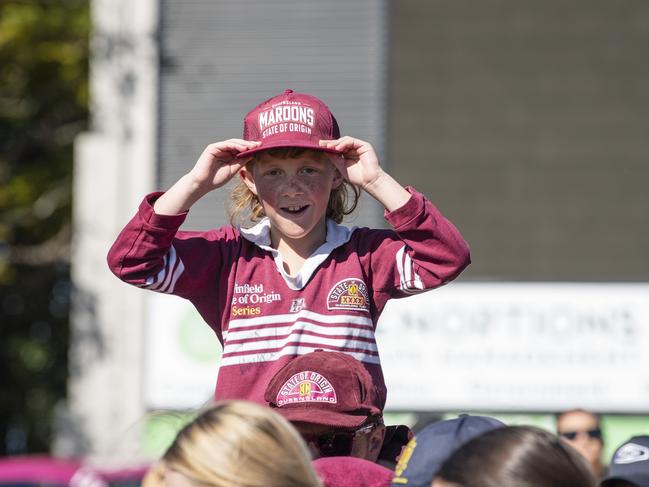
[630,464]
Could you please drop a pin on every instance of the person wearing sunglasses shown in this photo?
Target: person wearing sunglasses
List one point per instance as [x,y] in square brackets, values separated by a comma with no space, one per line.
[581,429]
[362,442]
[332,401]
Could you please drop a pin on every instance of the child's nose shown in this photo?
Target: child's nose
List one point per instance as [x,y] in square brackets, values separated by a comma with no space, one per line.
[293,186]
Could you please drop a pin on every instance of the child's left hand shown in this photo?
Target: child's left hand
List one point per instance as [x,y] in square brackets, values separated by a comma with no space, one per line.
[358,162]
[359,165]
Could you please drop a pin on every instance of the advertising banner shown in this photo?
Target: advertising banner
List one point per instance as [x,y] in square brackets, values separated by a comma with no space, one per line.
[518,347]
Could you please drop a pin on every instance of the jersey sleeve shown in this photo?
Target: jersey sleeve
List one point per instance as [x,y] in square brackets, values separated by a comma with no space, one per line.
[151,253]
[423,251]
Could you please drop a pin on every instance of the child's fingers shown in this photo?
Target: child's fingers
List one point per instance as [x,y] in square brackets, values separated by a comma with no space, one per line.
[328,144]
[242,161]
[233,146]
[343,144]
[247,143]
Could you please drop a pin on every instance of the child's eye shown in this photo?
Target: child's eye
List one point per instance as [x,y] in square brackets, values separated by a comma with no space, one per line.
[309,170]
[273,172]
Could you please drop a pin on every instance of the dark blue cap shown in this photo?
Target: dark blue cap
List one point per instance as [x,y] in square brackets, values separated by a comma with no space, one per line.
[630,462]
[432,446]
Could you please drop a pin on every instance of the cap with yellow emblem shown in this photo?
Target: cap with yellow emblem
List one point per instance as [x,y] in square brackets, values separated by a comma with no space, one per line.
[325,388]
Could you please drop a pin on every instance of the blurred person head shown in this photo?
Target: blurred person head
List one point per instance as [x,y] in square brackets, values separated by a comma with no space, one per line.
[425,453]
[630,464]
[515,456]
[331,399]
[582,430]
[238,443]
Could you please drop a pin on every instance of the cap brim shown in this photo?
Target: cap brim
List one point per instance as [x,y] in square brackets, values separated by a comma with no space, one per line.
[323,418]
[278,144]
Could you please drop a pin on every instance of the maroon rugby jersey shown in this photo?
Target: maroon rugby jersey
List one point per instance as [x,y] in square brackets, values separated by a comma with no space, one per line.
[264,317]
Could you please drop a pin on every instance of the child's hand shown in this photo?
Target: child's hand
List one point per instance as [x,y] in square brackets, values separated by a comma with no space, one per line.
[358,162]
[359,165]
[218,163]
[215,167]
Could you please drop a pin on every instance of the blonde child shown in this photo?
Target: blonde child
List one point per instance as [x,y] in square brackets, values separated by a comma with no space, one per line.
[296,281]
[236,443]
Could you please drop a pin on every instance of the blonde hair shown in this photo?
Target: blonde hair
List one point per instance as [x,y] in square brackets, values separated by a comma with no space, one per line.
[244,204]
[241,443]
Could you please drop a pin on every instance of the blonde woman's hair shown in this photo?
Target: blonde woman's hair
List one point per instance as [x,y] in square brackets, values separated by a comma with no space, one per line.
[244,444]
[244,205]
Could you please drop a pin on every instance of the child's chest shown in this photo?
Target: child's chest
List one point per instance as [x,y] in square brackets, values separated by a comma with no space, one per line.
[336,286]
[267,318]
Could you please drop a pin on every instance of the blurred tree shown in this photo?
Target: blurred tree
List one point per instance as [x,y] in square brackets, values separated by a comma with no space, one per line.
[43,106]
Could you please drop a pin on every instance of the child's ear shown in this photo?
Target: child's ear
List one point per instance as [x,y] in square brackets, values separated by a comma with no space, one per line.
[248,180]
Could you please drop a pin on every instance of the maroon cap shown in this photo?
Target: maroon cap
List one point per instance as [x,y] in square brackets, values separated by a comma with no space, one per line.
[325,388]
[290,120]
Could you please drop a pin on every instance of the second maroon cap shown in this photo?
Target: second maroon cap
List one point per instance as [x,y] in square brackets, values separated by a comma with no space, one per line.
[290,120]
[325,388]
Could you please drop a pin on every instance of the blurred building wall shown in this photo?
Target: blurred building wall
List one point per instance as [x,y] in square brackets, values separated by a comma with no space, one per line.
[527,123]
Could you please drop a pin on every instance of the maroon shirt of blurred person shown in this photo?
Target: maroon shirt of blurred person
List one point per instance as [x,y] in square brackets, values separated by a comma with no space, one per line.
[351,472]
[581,429]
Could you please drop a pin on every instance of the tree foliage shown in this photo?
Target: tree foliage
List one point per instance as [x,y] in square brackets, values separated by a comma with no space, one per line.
[43,106]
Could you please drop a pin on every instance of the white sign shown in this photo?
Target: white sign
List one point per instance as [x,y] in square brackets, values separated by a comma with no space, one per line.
[518,347]
[182,355]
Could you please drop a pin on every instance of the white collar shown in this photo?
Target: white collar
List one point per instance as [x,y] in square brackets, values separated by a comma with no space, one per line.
[337,235]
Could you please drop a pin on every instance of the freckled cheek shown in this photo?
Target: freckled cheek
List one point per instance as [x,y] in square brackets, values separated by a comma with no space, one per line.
[266,191]
[312,186]
[317,184]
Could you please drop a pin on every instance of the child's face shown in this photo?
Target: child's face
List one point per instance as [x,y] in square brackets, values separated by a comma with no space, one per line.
[294,193]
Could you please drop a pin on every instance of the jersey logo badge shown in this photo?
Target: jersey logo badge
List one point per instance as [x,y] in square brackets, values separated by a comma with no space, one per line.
[306,386]
[349,294]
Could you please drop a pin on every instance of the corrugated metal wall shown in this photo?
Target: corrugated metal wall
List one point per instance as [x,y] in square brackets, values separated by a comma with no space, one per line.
[221,58]
[528,123]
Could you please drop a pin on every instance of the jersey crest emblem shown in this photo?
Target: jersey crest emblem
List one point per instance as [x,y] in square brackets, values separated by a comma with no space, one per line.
[306,386]
[349,294]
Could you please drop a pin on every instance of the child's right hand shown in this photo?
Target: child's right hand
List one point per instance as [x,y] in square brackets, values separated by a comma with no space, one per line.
[218,163]
[215,167]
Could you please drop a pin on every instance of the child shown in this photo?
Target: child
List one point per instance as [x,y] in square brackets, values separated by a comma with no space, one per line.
[297,281]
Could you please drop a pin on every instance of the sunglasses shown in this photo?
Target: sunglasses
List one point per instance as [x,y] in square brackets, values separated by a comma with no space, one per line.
[595,434]
[336,443]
